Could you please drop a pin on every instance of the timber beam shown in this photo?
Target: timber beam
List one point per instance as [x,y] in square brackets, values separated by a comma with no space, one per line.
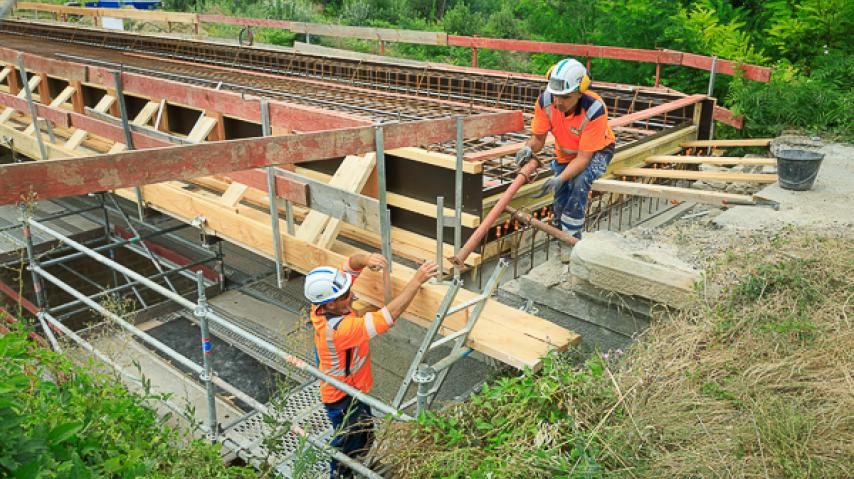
[76,176]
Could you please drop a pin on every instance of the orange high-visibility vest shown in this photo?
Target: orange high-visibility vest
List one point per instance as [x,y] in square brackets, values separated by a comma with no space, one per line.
[343,346]
[585,129]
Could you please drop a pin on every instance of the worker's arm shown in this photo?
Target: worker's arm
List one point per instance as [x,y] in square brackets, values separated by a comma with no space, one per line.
[399,304]
[537,142]
[373,261]
[576,166]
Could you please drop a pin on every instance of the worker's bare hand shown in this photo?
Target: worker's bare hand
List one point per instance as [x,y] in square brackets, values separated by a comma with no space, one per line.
[426,272]
[376,262]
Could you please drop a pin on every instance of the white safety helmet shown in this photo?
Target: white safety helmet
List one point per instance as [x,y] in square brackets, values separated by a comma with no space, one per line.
[326,284]
[567,76]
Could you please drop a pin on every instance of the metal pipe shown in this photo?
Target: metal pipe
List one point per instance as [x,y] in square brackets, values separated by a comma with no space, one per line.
[117,289]
[109,238]
[529,220]
[440,236]
[25,84]
[50,217]
[424,377]
[123,113]
[385,214]
[195,368]
[113,245]
[142,244]
[451,359]
[294,361]
[201,313]
[41,297]
[266,130]
[447,339]
[527,171]
[458,194]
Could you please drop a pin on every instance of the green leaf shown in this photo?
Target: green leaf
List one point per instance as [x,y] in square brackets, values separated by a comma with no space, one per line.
[28,471]
[64,431]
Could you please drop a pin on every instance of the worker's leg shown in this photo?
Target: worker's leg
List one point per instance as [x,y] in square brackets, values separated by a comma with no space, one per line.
[574,199]
[353,426]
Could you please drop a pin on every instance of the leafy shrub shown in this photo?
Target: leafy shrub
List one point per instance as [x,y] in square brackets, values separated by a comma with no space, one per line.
[60,420]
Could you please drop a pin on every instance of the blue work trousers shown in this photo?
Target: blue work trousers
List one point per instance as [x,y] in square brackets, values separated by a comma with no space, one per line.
[353,429]
[571,197]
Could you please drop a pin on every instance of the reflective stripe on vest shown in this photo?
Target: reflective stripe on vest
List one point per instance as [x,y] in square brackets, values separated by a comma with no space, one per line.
[594,109]
[336,368]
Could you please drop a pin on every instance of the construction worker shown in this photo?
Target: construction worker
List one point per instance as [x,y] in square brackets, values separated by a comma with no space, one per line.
[342,338]
[584,143]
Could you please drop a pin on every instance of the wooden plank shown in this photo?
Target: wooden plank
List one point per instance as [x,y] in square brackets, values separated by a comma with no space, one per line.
[401,201]
[435,158]
[505,333]
[350,176]
[669,192]
[146,114]
[5,73]
[76,176]
[34,81]
[405,244]
[201,129]
[330,233]
[711,160]
[715,143]
[63,96]
[696,175]
[28,146]
[233,194]
[76,138]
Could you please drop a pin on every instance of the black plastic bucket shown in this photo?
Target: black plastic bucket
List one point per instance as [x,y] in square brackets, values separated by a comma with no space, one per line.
[797,169]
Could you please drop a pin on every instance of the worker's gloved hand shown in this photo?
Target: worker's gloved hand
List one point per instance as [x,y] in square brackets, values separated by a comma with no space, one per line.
[550,186]
[426,272]
[523,155]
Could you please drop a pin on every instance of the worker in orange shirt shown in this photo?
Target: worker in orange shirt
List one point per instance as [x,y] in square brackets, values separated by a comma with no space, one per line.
[342,339]
[584,142]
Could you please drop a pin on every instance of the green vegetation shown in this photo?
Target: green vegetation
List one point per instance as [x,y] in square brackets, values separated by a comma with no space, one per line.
[806,42]
[751,382]
[61,420]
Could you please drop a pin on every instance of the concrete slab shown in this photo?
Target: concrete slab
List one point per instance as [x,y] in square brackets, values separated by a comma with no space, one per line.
[830,203]
[610,262]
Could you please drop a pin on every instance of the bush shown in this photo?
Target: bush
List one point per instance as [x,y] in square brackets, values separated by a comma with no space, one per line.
[815,104]
[60,420]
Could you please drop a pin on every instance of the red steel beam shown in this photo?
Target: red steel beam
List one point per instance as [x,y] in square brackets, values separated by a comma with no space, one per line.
[668,57]
[11,293]
[286,188]
[75,176]
[727,117]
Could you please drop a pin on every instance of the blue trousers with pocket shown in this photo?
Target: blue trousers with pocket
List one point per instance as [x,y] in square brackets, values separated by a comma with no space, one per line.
[570,199]
[353,431]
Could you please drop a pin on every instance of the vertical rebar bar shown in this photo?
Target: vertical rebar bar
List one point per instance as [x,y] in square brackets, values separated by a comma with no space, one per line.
[272,196]
[201,313]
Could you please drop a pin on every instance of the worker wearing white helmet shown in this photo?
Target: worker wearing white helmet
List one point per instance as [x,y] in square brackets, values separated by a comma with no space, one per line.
[341,338]
[584,143]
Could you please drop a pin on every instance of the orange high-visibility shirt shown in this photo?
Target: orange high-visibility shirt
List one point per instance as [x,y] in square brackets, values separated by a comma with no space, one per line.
[584,129]
[343,349]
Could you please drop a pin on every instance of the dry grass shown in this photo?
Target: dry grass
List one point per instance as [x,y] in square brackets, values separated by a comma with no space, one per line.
[755,380]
